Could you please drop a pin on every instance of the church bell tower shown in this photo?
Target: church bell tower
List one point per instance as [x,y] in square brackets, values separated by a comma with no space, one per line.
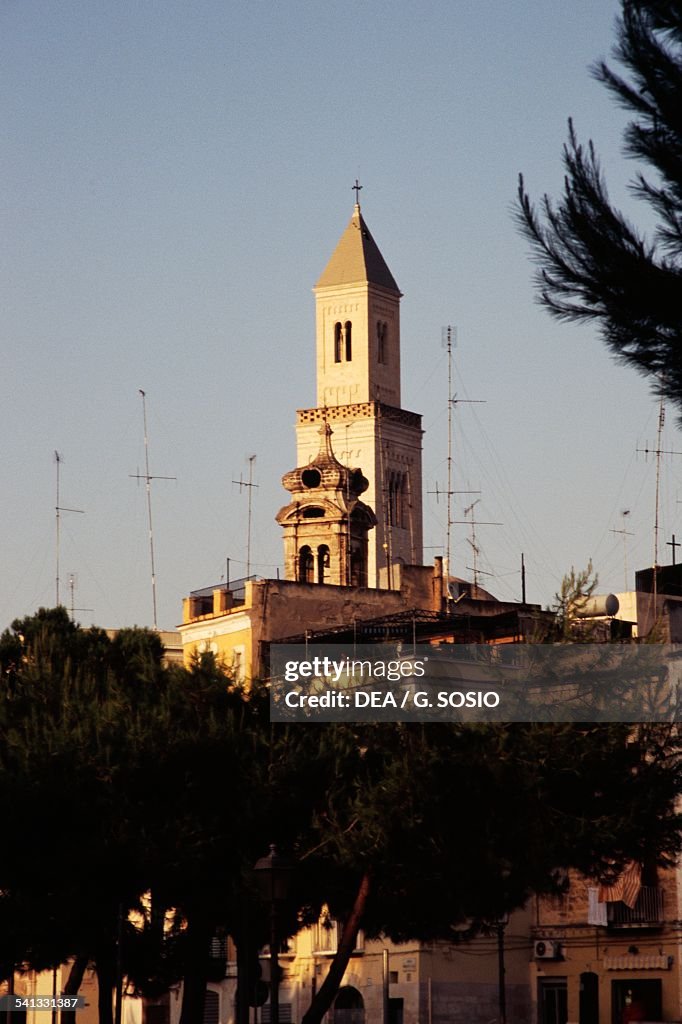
[358,397]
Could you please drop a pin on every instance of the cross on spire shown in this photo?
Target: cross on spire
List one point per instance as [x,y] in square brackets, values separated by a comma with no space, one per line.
[356,188]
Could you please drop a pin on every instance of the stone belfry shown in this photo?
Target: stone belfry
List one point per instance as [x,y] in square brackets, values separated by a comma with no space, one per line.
[358,394]
[326,525]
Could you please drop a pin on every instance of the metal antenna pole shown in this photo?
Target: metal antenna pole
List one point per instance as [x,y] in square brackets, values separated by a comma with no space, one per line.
[58,511]
[249,485]
[625,533]
[147,477]
[449,340]
[473,523]
[449,495]
[658,452]
[58,460]
[72,591]
[659,435]
[387,499]
[148,486]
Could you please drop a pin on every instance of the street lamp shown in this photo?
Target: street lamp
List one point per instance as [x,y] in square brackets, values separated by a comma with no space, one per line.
[273,878]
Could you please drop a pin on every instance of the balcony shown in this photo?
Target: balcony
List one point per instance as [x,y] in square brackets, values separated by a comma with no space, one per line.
[646,913]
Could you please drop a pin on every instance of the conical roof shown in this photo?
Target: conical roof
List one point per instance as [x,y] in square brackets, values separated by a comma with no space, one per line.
[357,259]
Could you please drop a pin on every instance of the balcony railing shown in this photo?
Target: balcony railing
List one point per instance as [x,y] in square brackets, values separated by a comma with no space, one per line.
[646,913]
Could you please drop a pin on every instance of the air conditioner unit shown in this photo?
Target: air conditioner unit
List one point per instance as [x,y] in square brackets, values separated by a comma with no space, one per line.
[546,949]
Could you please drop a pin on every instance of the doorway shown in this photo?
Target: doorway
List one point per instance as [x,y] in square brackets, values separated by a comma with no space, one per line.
[552,1001]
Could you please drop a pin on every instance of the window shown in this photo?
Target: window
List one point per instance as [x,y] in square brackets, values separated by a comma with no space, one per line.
[211,1007]
[285,1015]
[396,499]
[552,1000]
[358,565]
[343,342]
[382,334]
[637,999]
[238,672]
[306,565]
[323,561]
[313,512]
[326,934]
[311,478]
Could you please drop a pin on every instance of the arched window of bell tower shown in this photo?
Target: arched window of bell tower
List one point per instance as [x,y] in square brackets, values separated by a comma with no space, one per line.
[338,347]
[382,335]
[323,561]
[348,330]
[306,565]
[397,487]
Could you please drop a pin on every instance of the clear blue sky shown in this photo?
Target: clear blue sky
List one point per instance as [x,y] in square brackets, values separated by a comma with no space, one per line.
[176,177]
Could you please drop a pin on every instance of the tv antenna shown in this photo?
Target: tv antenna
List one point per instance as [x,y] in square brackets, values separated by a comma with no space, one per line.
[73,579]
[470,520]
[449,341]
[59,508]
[249,485]
[658,451]
[147,477]
[625,534]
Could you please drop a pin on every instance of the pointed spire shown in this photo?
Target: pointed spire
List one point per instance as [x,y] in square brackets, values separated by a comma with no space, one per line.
[357,258]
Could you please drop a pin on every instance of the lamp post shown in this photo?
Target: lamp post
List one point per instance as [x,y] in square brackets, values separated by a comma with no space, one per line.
[273,878]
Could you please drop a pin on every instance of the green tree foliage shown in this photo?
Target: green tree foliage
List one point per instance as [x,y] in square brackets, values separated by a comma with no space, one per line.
[130,785]
[594,264]
[448,826]
[577,587]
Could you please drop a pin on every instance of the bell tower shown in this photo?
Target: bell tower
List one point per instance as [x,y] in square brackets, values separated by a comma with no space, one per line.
[358,323]
[358,394]
[326,525]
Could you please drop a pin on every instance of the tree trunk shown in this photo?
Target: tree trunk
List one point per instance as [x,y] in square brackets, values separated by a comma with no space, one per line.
[326,994]
[73,983]
[198,938]
[247,959]
[106,979]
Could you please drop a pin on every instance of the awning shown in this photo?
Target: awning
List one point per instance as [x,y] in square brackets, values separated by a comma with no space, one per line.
[635,962]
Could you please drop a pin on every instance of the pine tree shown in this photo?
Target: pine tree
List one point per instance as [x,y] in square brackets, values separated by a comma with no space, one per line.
[594,264]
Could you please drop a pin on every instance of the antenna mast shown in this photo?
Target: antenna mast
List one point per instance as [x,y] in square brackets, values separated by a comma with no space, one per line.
[658,452]
[659,435]
[249,485]
[147,477]
[58,511]
[473,523]
[73,579]
[625,533]
[449,340]
[448,343]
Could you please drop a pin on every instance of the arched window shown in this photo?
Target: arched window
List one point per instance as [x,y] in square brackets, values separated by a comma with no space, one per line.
[323,564]
[358,566]
[382,334]
[396,499]
[338,332]
[348,327]
[306,565]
